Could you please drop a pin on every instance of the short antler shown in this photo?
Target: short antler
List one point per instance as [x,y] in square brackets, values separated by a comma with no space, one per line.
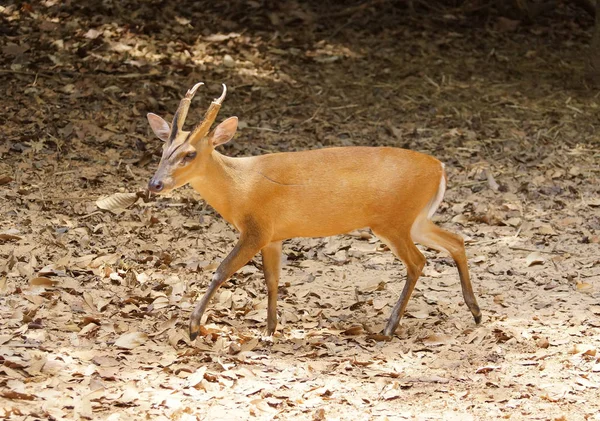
[202,129]
[182,110]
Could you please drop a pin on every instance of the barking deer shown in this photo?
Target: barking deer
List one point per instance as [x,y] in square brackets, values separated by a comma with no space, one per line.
[314,193]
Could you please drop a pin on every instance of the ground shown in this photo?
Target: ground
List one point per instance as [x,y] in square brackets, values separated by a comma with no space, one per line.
[94,304]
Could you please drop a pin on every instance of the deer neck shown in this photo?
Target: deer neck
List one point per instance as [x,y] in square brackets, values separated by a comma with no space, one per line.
[219,181]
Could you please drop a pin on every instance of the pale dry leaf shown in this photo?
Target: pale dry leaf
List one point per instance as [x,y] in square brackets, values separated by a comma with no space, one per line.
[196,377]
[460,219]
[419,313]
[583,349]
[43,281]
[584,286]
[117,202]
[159,302]
[92,34]
[8,237]
[379,303]
[595,202]
[221,37]
[547,230]
[534,258]
[260,407]
[250,345]
[131,340]
[487,369]
[164,326]
[491,180]
[586,383]
[555,392]
[437,339]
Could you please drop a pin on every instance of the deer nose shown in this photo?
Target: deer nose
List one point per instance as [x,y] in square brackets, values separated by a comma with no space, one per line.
[155,186]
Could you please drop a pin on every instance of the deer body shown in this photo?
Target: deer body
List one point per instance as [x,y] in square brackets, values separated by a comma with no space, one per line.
[317,193]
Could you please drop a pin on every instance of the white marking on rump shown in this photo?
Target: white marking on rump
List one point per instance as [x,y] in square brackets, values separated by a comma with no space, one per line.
[435,202]
[419,231]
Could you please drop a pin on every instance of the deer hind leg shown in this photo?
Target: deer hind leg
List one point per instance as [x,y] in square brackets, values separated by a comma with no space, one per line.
[427,233]
[404,248]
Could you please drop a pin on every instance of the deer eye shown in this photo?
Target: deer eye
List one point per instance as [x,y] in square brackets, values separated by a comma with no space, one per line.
[187,158]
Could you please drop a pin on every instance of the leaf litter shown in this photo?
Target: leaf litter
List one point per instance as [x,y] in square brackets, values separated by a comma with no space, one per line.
[94,305]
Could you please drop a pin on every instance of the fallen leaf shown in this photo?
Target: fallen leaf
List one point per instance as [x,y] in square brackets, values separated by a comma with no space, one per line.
[196,377]
[534,258]
[92,34]
[583,349]
[117,202]
[354,330]
[11,394]
[584,286]
[43,281]
[131,340]
[547,230]
[8,237]
[437,339]
[487,369]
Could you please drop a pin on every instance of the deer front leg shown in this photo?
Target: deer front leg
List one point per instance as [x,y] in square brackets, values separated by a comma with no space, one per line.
[271,256]
[249,244]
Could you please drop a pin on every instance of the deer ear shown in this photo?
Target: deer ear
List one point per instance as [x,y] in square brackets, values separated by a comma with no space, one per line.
[159,126]
[224,131]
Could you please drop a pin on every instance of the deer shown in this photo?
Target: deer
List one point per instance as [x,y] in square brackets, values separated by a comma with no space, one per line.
[314,193]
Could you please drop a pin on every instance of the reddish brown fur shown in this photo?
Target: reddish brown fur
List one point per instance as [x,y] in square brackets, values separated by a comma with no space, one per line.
[321,192]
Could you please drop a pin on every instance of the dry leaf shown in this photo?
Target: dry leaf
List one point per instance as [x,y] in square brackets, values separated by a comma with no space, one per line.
[92,34]
[131,340]
[354,330]
[196,377]
[8,237]
[437,339]
[43,281]
[584,286]
[534,258]
[583,349]
[491,181]
[117,202]
[547,230]
[487,369]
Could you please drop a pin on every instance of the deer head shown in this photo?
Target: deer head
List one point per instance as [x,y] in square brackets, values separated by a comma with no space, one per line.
[183,149]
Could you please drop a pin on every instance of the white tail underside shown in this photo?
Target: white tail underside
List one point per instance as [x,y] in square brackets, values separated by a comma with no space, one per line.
[439,196]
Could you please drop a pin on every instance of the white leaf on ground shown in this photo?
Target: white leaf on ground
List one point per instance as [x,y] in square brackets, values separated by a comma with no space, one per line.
[117,202]
[131,340]
[534,258]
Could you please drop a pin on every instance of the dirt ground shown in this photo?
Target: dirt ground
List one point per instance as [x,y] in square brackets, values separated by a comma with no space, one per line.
[94,304]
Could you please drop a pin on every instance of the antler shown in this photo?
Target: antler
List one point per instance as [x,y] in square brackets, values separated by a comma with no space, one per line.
[209,118]
[182,110]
